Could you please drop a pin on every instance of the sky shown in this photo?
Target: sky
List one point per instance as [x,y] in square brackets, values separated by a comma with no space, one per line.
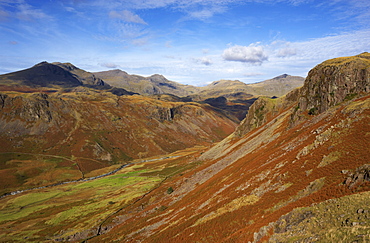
[191,42]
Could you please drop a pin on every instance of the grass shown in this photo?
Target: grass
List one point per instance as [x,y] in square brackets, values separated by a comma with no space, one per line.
[25,205]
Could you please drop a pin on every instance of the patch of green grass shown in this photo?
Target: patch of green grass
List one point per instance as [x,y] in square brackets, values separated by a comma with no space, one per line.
[24,205]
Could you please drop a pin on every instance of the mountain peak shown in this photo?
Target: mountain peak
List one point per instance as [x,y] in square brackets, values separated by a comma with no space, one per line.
[41,63]
[282,76]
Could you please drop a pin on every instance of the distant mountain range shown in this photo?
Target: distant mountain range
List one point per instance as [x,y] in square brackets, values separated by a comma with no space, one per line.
[158,84]
[66,75]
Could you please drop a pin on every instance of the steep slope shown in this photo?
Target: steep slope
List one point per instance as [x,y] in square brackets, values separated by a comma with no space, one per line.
[334,81]
[247,182]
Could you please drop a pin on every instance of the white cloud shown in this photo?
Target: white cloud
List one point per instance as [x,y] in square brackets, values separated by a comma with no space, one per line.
[253,53]
[127,16]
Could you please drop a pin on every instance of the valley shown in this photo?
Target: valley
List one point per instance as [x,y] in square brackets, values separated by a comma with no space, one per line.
[83,163]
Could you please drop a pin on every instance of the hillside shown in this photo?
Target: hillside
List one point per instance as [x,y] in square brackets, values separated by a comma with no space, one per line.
[295,170]
[282,157]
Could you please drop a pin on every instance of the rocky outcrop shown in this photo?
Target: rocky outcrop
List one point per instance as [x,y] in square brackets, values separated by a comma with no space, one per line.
[31,109]
[361,175]
[334,81]
[257,116]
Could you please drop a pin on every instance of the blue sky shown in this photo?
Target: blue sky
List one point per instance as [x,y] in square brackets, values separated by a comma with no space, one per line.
[189,41]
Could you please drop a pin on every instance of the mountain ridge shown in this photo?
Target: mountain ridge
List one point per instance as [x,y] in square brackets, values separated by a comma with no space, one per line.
[155,83]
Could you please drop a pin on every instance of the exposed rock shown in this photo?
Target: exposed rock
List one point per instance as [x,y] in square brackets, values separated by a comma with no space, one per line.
[333,81]
[361,175]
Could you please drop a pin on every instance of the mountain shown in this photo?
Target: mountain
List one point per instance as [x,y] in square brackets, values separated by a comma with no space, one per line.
[296,169]
[155,84]
[277,86]
[41,75]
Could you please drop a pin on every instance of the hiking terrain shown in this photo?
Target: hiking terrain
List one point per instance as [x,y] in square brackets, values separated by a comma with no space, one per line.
[296,168]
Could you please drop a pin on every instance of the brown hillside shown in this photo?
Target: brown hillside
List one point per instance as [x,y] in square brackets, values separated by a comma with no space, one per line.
[287,174]
[96,129]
